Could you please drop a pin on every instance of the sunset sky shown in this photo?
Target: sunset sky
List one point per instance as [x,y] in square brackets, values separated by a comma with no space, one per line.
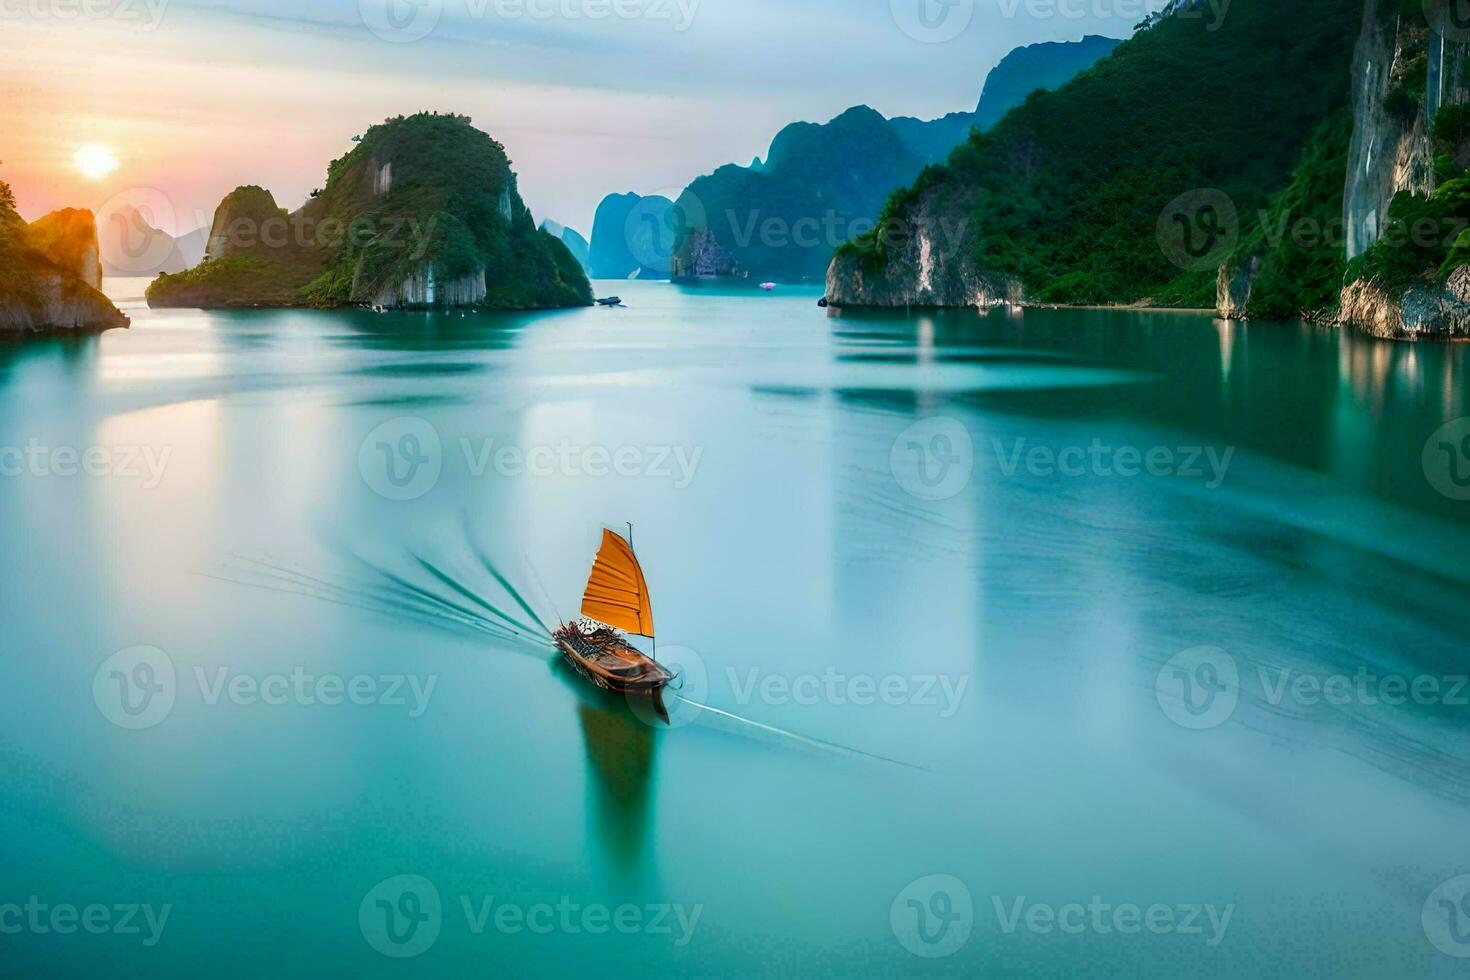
[190,98]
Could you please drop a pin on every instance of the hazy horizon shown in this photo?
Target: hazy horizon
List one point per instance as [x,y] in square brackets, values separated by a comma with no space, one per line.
[193,99]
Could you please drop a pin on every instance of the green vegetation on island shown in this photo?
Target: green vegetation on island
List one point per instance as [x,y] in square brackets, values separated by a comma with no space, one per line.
[1065,194]
[422,212]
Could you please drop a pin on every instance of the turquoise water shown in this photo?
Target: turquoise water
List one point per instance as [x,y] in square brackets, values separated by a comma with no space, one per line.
[935,626]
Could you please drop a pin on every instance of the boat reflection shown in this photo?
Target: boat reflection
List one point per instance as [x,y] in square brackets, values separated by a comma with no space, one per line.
[620,756]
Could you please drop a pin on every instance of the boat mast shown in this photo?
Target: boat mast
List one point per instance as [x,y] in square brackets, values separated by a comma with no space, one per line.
[650,597]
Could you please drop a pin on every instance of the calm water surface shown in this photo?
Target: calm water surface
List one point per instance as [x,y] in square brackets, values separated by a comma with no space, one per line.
[806,549]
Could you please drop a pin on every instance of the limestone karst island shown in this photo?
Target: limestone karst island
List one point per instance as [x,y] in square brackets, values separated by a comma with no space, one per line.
[724,488]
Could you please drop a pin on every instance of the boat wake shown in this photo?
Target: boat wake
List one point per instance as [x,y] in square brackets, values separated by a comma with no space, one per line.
[424,591]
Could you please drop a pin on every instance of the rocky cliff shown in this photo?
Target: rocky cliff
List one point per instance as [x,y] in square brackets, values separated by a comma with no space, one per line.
[423,212]
[1407,196]
[633,237]
[50,273]
[69,239]
[1123,185]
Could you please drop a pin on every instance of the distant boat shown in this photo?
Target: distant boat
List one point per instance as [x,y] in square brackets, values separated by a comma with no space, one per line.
[610,301]
[615,604]
[768,286]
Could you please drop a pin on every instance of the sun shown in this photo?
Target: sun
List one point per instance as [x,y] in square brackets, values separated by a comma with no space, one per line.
[94,161]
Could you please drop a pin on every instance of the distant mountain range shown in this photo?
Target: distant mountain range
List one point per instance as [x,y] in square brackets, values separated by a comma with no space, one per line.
[131,246]
[782,218]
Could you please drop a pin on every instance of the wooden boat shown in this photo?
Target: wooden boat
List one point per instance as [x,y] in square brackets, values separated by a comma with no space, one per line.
[615,605]
[610,301]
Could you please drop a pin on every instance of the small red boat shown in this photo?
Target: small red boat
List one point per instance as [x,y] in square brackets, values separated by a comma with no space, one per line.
[615,605]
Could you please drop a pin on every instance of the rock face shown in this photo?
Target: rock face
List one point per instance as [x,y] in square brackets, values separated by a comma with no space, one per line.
[1423,311]
[58,303]
[1388,153]
[247,223]
[1406,72]
[1233,292]
[703,257]
[50,274]
[69,239]
[925,261]
[423,212]
[633,237]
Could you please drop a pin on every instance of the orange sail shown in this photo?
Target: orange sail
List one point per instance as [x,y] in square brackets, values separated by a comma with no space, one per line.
[617,593]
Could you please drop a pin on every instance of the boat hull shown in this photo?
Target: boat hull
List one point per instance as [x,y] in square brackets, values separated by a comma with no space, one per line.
[604,658]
